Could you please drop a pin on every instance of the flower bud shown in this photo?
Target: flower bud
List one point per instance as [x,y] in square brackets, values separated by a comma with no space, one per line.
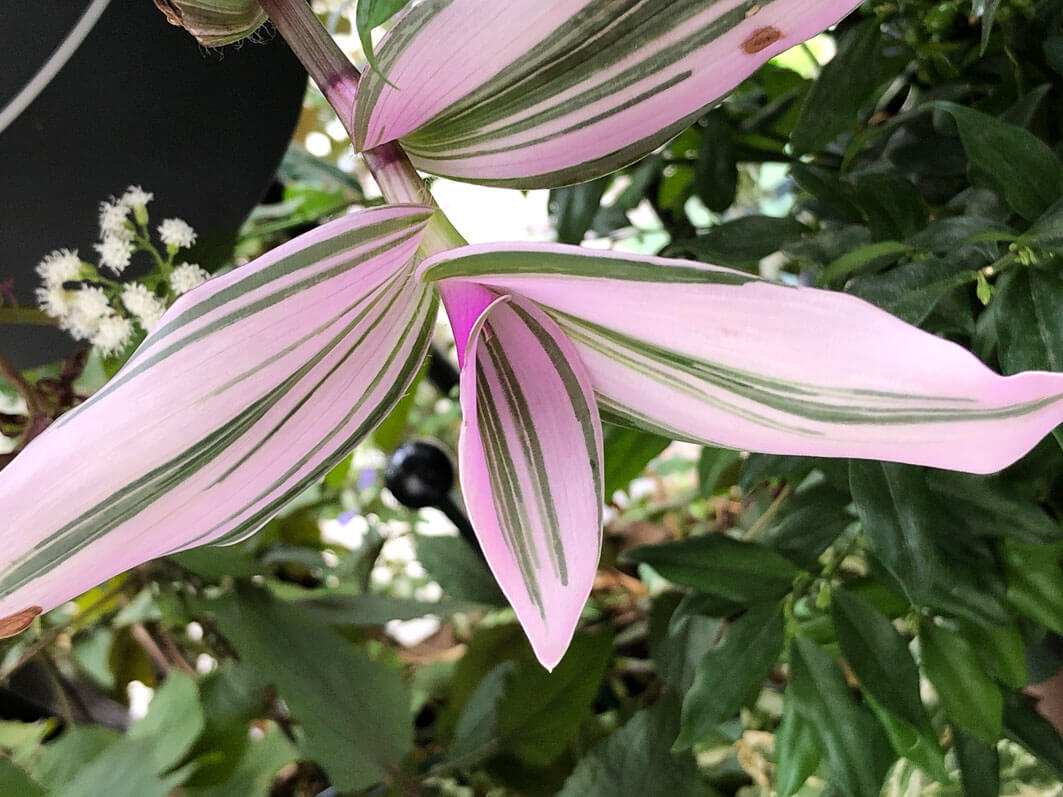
[214,22]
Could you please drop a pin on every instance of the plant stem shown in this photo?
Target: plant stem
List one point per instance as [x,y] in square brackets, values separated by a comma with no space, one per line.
[338,78]
[12,375]
[25,315]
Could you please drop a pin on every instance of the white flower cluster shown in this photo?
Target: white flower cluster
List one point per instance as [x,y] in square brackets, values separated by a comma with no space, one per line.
[187,276]
[94,308]
[177,234]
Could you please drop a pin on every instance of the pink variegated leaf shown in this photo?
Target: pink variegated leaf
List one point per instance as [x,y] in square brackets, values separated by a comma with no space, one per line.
[541,93]
[529,456]
[251,387]
[724,358]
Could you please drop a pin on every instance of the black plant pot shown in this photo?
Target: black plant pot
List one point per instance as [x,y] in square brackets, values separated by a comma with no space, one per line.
[137,101]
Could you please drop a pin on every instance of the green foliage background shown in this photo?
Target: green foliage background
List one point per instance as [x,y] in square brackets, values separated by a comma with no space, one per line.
[760,624]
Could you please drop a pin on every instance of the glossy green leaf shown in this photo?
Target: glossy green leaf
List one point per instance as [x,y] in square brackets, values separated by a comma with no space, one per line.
[912,290]
[970,697]
[462,574]
[895,509]
[477,728]
[627,453]
[722,566]
[732,671]
[714,464]
[636,760]
[845,85]
[716,169]
[879,657]
[1001,650]
[541,711]
[744,242]
[373,609]
[987,506]
[353,711]
[797,751]
[921,747]
[368,15]
[855,746]
[979,765]
[1029,306]
[574,207]
[807,523]
[1035,582]
[1008,159]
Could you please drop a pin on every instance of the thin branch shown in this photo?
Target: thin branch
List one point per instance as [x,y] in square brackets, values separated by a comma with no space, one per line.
[12,375]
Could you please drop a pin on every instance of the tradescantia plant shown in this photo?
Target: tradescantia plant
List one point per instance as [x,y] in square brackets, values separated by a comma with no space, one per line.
[271,374]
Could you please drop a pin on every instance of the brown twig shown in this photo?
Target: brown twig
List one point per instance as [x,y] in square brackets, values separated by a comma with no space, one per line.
[12,375]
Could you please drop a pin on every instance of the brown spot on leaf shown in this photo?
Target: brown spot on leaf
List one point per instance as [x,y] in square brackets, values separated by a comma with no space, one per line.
[761,38]
[19,621]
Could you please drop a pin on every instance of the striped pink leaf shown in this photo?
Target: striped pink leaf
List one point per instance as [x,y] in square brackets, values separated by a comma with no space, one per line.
[720,357]
[530,456]
[250,388]
[540,93]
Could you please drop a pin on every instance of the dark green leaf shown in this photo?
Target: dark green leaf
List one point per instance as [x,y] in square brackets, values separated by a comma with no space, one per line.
[716,172]
[477,726]
[921,747]
[1035,582]
[879,657]
[368,15]
[986,10]
[1010,160]
[759,468]
[744,242]
[636,760]
[895,508]
[808,522]
[541,711]
[871,257]
[215,563]
[856,747]
[574,207]
[713,465]
[1001,650]
[845,85]
[460,572]
[1029,308]
[969,697]
[797,751]
[912,291]
[985,506]
[979,765]
[732,671]
[893,207]
[256,770]
[353,711]
[627,453]
[232,697]
[720,565]
[1023,724]
[679,637]
[173,722]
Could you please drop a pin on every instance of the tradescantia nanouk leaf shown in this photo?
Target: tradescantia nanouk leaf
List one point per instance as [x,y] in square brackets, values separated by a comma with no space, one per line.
[575,89]
[724,358]
[250,388]
[530,455]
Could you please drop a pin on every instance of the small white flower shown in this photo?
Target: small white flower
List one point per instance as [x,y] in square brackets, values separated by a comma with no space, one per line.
[187,276]
[86,309]
[143,304]
[136,197]
[54,300]
[60,266]
[112,334]
[114,220]
[115,253]
[177,233]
